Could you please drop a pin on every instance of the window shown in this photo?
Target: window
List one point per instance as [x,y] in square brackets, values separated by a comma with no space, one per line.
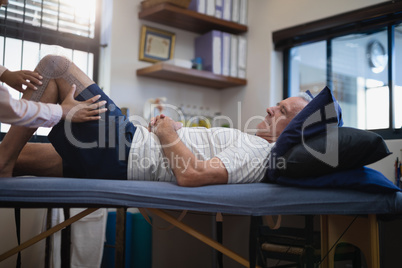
[356,55]
[308,65]
[31,29]
[397,107]
[360,79]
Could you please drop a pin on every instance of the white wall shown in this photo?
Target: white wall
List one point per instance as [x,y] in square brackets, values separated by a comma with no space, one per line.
[31,225]
[386,165]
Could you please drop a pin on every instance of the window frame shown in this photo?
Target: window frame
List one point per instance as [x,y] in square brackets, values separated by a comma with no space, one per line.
[38,34]
[24,31]
[384,15]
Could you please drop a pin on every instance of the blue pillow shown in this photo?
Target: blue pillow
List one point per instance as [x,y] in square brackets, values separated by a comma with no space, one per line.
[363,179]
[347,148]
[321,113]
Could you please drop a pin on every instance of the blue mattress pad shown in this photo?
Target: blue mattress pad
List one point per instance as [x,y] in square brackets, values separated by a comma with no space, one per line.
[243,199]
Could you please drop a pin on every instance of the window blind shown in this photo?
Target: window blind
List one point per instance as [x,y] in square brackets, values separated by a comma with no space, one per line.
[68,16]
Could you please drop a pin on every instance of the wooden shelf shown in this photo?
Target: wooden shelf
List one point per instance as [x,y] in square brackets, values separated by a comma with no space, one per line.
[189,20]
[192,21]
[170,72]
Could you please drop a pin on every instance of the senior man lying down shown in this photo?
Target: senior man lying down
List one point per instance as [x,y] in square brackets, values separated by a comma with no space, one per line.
[113,148]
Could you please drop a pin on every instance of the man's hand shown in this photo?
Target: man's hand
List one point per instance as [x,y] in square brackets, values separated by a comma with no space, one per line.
[77,111]
[162,123]
[18,79]
[188,169]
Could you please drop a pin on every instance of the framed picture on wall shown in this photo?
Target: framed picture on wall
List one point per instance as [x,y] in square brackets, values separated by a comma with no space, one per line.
[156,45]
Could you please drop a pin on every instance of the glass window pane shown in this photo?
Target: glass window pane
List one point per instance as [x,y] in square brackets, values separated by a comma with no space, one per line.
[397,106]
[375,117]
[30,57]
[1,49]
[80,59]
[360,79]
[4,127]
[398,78]
[90,65]
[29,61]
[54,50]
[12,59]
[308,65]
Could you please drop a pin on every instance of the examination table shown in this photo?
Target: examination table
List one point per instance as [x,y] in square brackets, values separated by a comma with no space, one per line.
[242,199]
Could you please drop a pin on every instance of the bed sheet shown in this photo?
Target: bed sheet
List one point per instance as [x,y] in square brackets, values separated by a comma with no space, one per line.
[244,199]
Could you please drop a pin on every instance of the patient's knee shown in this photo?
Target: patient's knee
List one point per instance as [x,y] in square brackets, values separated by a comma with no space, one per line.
[53,66]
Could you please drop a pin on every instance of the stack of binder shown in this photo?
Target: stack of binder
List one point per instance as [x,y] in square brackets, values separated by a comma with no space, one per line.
[222,53]
[231,10]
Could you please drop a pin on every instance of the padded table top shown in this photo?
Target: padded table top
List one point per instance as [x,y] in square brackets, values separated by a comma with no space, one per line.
[244,199]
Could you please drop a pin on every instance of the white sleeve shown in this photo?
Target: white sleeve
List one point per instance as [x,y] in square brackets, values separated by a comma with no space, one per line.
[27,113]
[2,70]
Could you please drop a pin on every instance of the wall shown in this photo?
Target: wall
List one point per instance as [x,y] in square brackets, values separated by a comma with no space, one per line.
[386,165]
[31,224]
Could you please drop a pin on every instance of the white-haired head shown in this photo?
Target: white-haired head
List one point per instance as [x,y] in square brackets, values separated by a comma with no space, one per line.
[305,96]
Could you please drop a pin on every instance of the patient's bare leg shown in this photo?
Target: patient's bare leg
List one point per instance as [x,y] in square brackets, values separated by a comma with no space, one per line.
[18,136]
[59,74]
[27,162]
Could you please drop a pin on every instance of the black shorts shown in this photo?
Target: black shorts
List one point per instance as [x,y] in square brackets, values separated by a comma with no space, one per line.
[96,149]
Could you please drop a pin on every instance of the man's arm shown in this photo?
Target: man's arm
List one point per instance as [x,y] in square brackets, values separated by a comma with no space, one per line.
[189,170]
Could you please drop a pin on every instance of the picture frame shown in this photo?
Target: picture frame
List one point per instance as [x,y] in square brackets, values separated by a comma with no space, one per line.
[156,45]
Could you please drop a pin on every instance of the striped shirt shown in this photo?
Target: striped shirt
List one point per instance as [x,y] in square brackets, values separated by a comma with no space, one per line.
[245,156]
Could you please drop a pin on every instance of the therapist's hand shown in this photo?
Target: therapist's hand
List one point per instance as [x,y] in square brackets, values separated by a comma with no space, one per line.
[81,111]
[18,79]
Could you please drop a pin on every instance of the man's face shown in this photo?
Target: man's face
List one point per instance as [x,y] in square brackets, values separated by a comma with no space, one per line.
[3,2]
[278,117]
